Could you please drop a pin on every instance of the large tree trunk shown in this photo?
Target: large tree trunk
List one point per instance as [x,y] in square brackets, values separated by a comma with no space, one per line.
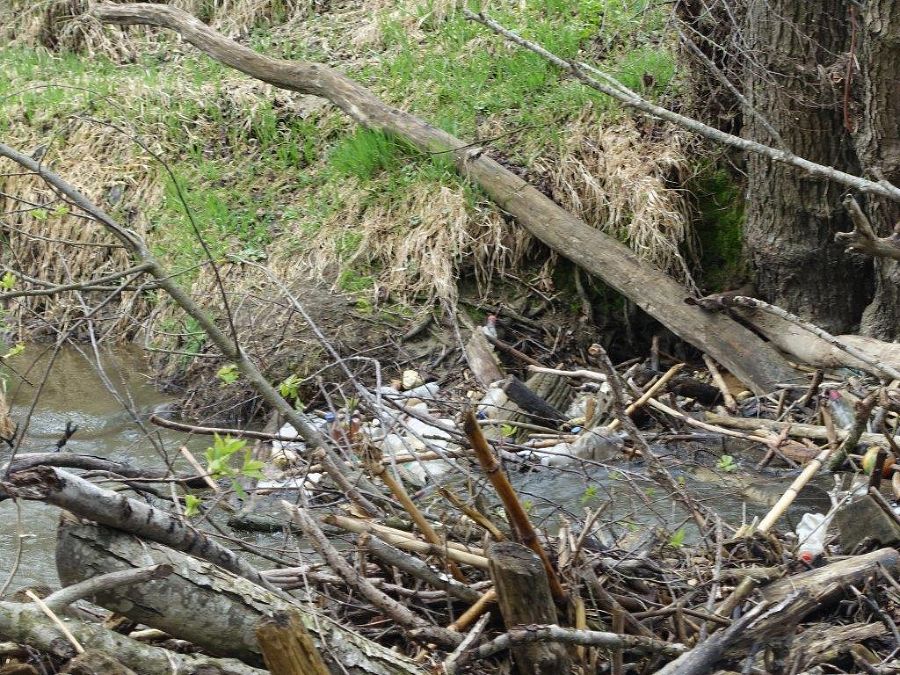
[749,358]
[793,76]
[878,147]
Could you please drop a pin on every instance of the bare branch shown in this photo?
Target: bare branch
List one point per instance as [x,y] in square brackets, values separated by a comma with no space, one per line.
[629,98]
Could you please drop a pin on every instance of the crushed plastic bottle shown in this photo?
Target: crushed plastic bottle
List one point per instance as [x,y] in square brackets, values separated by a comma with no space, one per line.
[811,533]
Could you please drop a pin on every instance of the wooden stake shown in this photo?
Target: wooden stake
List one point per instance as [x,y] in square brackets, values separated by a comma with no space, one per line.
[523,593]
[507,494]
[287,647]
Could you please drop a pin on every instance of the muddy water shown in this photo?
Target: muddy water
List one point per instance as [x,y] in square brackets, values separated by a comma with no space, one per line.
[75,392]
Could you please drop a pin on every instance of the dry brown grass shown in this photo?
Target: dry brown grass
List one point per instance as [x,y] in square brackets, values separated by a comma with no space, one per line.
[59,247]
[624,181]
[422,239]
[63,25]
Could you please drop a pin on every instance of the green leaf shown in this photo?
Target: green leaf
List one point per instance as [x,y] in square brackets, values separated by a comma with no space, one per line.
[228,374]
[18,349]
[8,281]
[61,210]
[290,387]
[507,430]
[589,493]
[677,539]
[727,463]
[192,506]
[39,214]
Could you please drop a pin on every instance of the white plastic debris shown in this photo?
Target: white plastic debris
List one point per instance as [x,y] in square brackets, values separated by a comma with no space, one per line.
[288,431]
[593,444]
[811,533]
[411,379]
[424,391]
[493,402]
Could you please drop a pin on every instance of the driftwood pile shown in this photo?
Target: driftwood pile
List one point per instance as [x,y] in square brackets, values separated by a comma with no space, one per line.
[373,577]
[387,580]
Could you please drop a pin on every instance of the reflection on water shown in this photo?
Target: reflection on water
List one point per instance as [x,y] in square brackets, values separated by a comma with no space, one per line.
[74,392]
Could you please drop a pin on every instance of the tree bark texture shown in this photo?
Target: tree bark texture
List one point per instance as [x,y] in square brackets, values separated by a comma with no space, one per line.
[204,604]
[877,141]
[736,348]
[794,76]
[27,624]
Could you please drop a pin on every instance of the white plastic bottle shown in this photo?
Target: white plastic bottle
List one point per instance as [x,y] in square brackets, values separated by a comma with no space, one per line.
[811,533]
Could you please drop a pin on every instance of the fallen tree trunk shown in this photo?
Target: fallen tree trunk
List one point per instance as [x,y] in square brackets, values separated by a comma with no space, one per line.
[83,498]
[806,347]
[205,605]
[735,347]
[69,460]
[816,590]
[26,624]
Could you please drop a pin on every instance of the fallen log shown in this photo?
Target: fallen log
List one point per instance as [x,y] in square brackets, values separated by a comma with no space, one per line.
[749,358]
[812,431]
[68,460]
[26,624]
[83,498]
[93,661]
[815,590]
[807,348]
[206,605]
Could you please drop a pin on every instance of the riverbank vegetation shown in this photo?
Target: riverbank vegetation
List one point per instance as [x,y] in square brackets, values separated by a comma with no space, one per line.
[388,256]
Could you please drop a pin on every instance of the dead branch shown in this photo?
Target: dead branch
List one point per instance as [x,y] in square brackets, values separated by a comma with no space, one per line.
[507,494]
[591,638]
[397,612]
[753,303]
[105,582]
[863,237]
[631,99]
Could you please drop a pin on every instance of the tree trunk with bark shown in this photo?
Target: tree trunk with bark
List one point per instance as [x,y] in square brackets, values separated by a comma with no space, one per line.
[877,140]
[794,75]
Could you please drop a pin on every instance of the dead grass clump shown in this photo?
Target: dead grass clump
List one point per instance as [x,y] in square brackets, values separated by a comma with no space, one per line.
[50,242]
[63,25]
[622,181]
[419,241]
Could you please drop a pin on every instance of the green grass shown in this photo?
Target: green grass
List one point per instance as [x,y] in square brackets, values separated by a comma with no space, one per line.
[259,176]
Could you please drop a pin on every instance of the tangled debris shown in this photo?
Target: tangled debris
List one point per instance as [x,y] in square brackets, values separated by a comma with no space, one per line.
[446,566]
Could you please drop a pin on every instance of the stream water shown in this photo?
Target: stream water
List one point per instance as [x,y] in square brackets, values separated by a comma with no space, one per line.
[75,392]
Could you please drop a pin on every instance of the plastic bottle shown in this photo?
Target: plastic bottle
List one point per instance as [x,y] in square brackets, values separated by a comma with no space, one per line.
[811,533]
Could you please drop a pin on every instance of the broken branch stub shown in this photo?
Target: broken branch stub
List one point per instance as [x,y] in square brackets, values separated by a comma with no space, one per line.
[749,358]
